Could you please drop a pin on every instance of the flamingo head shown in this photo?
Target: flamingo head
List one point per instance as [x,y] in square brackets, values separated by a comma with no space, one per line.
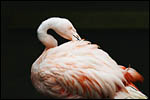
[63,27]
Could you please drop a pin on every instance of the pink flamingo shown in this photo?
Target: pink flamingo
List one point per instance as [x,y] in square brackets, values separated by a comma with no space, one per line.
[79,69]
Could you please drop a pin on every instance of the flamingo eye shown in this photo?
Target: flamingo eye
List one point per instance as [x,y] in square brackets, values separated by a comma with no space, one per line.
[70,28]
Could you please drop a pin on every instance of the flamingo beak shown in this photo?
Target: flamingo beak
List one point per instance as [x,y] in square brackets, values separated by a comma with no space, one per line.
[77,37]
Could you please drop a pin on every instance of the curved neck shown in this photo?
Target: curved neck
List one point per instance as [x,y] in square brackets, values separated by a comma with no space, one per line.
[48,40]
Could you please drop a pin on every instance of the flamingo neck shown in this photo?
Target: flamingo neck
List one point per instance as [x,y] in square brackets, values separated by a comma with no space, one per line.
[48,40]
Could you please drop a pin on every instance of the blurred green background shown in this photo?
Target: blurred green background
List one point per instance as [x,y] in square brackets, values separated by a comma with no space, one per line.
[89,14]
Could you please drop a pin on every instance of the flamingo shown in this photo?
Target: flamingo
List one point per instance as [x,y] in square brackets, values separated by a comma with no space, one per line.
[79,69]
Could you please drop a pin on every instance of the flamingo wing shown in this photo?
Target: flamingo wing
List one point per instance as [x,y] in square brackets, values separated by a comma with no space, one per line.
[80,70]
[85,83]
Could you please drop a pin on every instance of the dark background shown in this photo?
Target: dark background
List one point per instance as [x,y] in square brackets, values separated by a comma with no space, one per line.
[121,28]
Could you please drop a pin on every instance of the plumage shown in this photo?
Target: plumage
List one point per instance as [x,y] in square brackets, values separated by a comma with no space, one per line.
[79,69]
